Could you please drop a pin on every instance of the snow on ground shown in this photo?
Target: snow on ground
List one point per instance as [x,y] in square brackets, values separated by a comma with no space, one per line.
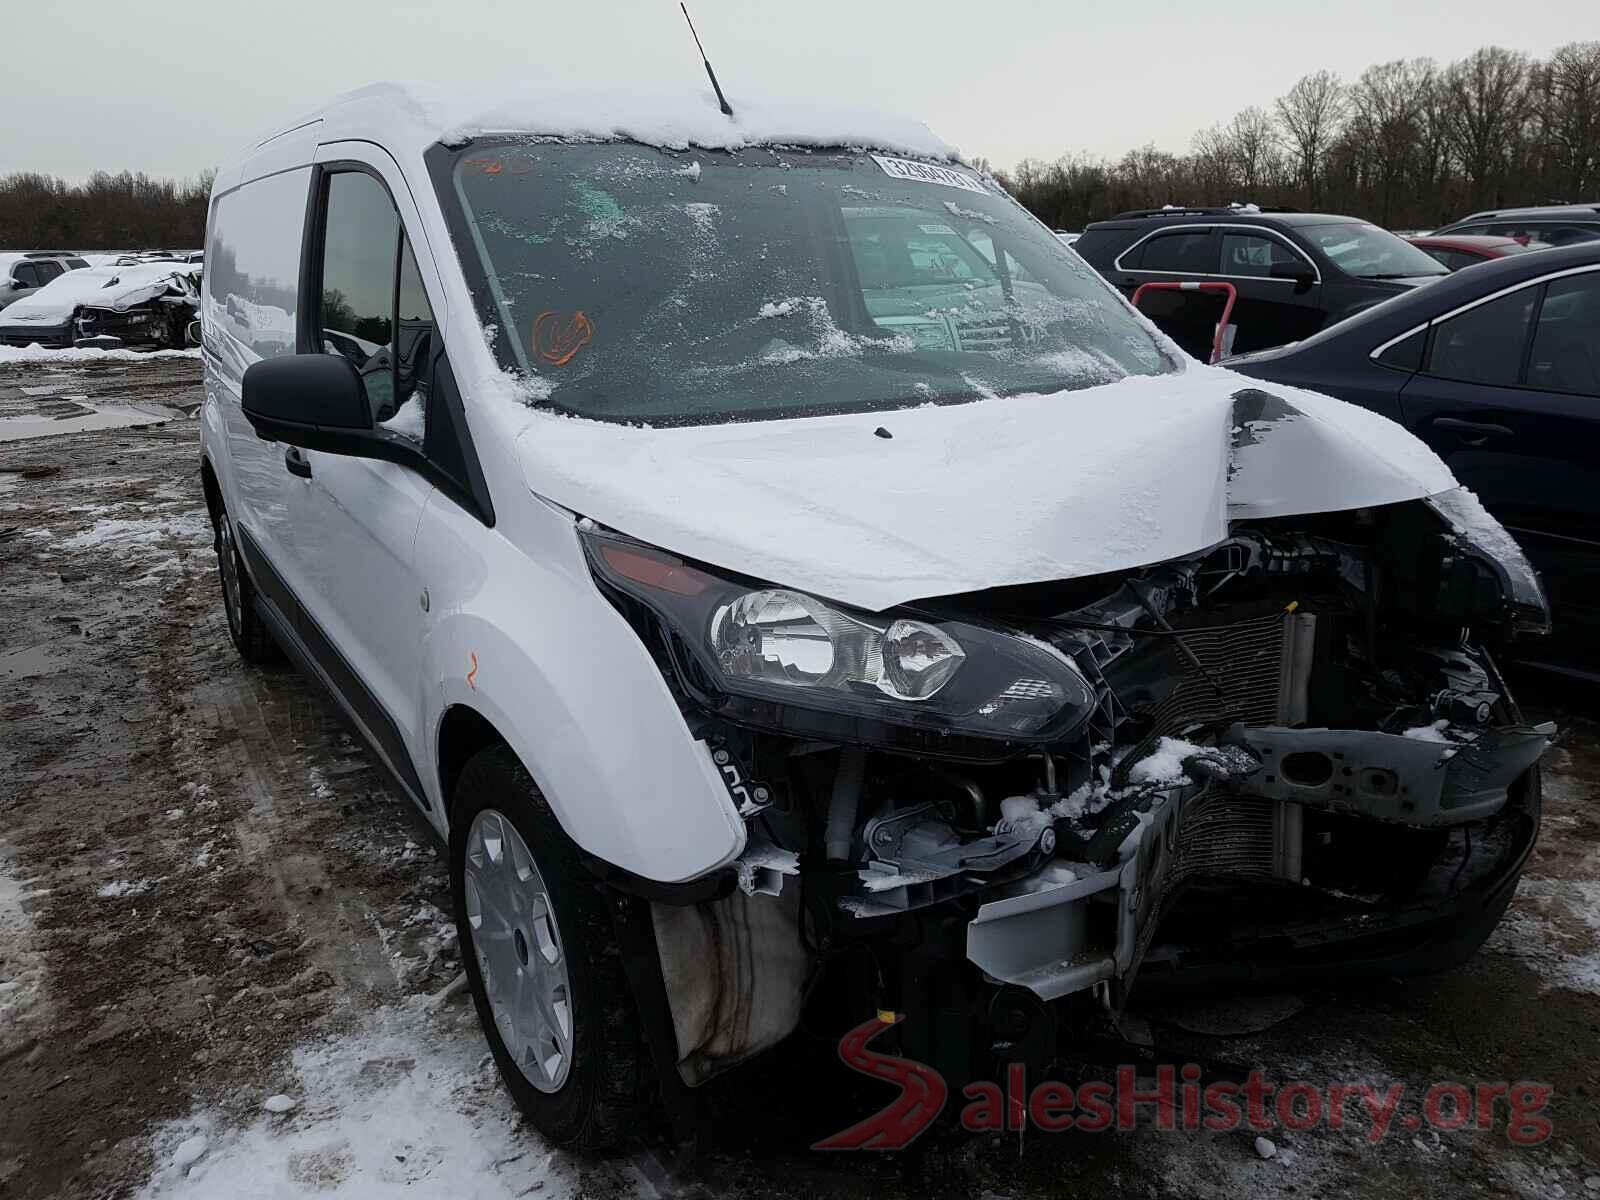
[118,888]
[125,535]
[408,1104]
[86,354]
[1555,928]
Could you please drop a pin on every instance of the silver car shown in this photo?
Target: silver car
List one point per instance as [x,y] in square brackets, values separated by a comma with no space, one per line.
[22,274]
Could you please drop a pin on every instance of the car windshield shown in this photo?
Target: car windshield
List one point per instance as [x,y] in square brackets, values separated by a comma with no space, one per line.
[633,284]
[1368,252]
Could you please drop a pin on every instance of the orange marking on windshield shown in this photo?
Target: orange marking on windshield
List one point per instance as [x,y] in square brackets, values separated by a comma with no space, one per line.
[557,337]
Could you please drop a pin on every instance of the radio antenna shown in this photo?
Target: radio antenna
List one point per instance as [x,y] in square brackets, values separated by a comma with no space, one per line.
[722,101]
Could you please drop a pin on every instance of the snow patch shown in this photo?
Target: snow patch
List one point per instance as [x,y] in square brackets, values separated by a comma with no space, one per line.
[967,214]
[1553,927]
[410,420]
[1164,764]
[119,888]
[779,308]
[122,535]
[408,1104]
[85,354]
[704,217]
[1429,733]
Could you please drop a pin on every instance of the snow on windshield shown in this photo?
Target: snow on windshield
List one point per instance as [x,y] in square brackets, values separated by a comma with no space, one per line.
[638,284]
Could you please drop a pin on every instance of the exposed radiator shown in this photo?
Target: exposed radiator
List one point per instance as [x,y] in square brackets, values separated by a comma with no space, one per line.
[1261,665]
[1238,837]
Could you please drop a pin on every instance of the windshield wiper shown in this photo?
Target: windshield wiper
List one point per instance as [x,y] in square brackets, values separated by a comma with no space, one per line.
[1404,274]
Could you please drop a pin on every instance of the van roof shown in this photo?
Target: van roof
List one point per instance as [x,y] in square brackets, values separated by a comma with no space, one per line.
[409,117]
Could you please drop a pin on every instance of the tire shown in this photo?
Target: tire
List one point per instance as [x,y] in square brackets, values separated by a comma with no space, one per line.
[589,1097]
[246,630]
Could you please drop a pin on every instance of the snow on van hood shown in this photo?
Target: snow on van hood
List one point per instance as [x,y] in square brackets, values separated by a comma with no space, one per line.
[1020,489]
[100,287]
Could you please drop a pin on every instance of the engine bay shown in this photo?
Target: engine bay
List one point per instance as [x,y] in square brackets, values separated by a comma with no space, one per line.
[1301,707]
[1289,744]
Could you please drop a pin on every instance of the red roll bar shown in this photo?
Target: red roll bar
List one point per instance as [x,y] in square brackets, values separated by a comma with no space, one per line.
[1227,289]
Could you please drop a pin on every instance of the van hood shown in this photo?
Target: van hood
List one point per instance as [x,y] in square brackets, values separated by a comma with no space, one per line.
[882,508]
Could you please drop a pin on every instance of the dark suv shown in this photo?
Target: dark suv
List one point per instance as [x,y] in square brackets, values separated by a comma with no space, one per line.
[1544,225]
[1295,272]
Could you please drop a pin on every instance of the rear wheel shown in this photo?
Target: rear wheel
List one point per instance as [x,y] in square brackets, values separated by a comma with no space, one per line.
[246,629]
[541,957]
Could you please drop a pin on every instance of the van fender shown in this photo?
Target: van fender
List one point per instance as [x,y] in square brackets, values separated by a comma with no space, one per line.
[532,646]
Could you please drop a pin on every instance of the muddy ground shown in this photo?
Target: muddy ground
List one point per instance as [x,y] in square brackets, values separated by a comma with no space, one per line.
[208,897]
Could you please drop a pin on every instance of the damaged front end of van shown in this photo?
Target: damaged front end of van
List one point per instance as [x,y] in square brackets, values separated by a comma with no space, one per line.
[1033,660]
[1286,752]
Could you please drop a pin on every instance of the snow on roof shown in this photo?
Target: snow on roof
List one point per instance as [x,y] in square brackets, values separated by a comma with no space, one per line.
[102,287]
[424,113]
[7,257]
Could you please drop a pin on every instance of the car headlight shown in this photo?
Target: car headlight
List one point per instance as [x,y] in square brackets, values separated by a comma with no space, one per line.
[797,651]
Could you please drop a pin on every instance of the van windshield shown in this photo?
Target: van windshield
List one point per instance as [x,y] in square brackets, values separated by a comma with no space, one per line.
[633,284]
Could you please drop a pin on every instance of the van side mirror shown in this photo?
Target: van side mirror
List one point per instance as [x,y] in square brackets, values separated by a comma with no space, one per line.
[317,402]
[305,393]
[192,332]
[1297,270]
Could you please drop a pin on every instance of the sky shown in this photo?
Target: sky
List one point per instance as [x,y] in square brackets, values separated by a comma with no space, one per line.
[176,88]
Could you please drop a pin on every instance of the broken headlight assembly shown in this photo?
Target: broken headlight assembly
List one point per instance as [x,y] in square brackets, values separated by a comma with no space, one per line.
[1487,549]
[773,650]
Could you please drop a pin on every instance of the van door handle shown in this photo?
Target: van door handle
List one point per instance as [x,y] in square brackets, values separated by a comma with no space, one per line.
[295,461]
[1475,431]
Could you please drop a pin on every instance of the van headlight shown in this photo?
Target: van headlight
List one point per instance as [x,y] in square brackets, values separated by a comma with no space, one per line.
[1524,604]
[796,650]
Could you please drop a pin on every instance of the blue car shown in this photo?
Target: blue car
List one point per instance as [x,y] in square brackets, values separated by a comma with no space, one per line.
[1498,369]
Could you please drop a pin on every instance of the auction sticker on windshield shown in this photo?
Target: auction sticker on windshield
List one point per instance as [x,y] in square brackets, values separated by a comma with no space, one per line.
[920,172]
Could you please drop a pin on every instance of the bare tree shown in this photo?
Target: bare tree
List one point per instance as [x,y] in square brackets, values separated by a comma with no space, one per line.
[1387,102]
[1433,164]
[1213,162]
[1571,117]
[1311,112]
[1406,144]
[1488,107]
[1252,140]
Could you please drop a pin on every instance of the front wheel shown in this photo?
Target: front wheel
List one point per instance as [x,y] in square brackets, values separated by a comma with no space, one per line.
[542,960]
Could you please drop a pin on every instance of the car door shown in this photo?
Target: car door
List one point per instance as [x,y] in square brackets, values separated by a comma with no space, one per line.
[1187,252]
[355,519]
[1279,290]
[1509,396]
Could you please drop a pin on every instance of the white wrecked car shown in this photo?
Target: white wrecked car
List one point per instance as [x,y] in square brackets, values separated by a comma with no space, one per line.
[782,572]
[146,304]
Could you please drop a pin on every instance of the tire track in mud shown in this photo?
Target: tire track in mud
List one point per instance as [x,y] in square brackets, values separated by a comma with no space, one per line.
[204,854]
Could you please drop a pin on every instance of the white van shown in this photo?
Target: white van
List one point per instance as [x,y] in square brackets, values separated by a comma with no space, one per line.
[780,570]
